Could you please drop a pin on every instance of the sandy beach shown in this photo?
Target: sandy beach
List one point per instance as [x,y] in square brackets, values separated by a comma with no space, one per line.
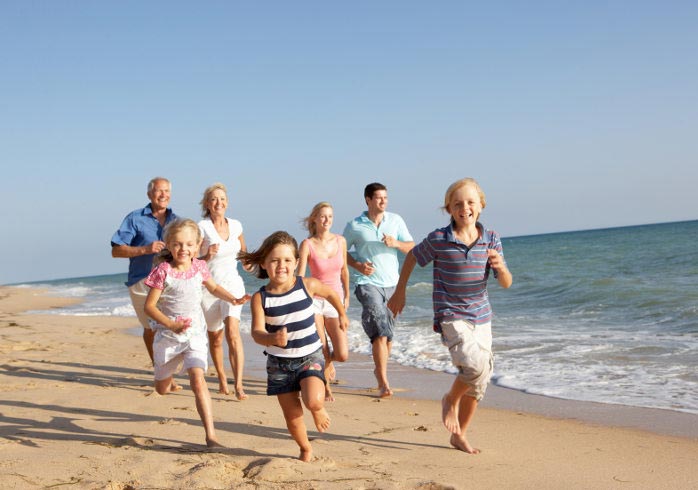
[77,410]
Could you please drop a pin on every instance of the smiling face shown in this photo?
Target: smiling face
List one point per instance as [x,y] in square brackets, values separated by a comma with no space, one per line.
[465,206]
[159,195]
[217,203]
[378,202]
[280,264]
[323,219]
[184,247]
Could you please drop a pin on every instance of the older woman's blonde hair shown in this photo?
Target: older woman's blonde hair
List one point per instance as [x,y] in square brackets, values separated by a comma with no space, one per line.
[462,183]
[207,194]
[309,221]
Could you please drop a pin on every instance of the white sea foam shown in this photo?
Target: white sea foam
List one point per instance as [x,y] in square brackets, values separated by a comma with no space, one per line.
[597,323]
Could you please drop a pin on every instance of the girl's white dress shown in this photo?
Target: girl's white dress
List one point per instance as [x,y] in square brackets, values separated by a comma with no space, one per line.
[181,296]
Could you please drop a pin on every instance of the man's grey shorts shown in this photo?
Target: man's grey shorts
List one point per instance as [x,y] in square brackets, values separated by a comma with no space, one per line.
[376,318]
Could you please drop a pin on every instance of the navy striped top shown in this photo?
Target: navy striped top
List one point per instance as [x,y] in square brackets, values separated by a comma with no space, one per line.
[293,310]
[460,274]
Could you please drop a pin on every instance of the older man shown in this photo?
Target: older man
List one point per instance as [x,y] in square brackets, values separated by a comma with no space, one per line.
[138,239]
[376,237]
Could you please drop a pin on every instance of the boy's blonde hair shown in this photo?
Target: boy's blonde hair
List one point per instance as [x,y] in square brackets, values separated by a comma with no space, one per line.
[172,229]
[309,221]
[462,183]
[207,194]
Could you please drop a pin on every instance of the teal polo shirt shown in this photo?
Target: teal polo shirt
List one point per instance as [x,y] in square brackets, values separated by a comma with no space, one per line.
[366,238]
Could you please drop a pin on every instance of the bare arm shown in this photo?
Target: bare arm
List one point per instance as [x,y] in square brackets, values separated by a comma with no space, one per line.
[365,268]
[504,277]
[392,242]
[151,309]
[221,293]
[243,248]
[304,252]
[344,273]
[317,288]
[396,303]
[127,251]
[259,332]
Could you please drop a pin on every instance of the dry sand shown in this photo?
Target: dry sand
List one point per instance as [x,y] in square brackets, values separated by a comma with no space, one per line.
[78,410]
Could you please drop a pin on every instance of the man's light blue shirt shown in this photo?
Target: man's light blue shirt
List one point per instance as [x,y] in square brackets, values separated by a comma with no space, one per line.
[140,228]
[367,240]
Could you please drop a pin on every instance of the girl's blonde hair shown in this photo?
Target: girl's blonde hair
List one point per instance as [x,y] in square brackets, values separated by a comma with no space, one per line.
[172,229]
[309,221]
[256,259]
[462,183]
[207,194]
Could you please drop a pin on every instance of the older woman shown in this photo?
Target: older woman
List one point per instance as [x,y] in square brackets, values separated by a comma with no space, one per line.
[222,240]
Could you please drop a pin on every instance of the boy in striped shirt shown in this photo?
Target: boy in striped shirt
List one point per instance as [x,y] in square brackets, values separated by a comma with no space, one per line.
[464,253]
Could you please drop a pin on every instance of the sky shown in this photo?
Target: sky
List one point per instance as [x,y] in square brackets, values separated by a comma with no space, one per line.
[571,115]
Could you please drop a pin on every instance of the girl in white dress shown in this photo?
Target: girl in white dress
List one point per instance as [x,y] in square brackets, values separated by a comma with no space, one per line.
[174,305]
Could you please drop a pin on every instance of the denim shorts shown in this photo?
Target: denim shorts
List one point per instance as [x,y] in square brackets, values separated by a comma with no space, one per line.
[376,318]
[284,374]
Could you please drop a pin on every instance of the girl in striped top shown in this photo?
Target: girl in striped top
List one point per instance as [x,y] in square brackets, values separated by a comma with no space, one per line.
[283,320]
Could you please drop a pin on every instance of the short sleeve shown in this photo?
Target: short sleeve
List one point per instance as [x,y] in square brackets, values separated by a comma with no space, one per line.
[235,227]
[403,233]
[156,278]
[126,232]
[203,269]
[349,235]
[423,252]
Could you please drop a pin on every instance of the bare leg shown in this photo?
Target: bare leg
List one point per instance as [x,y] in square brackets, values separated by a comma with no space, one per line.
[312,392]
[468,405]
[340,346]
[450,406]
[330,372]
[203,404]
[457,411]
[381,352]
[148,338]
[236,353]
[293,414]
[215,345]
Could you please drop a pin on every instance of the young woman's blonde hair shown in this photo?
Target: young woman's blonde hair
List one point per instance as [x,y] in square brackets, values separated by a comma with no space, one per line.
[256,259]
[172,229]
[309,221]
[207,194]
[462,183]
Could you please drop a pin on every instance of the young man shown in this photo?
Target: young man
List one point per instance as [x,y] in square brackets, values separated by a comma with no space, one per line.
[376,236]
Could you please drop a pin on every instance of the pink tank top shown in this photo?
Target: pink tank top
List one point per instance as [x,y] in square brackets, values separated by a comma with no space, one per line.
[328,271]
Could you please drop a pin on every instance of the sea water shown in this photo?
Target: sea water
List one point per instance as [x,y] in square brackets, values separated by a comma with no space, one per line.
[608,315]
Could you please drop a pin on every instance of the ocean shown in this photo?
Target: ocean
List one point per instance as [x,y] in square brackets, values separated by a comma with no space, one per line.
[608,316]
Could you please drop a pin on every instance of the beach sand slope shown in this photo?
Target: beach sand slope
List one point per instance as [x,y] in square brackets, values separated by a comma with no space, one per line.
[77,410]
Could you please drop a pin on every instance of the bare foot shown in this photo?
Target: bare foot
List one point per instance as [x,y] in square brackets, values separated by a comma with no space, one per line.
[322,419]
[223,388]
[212,443]
[329,397]
[449,415]
[385,392]
[330,372]
[240,394]
[462,444]
[306,455]
[174,386]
